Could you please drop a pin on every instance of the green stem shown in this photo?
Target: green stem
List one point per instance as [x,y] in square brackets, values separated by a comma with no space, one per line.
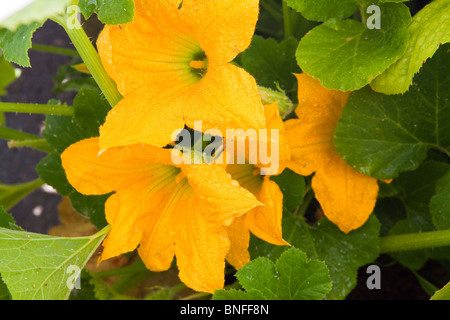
[415,241]
[38,144]
[58,110]
[92,60]
[13,134]
[55,50]
[287,20]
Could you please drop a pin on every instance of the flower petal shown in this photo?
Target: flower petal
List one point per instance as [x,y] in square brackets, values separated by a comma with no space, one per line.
[146,52]
[158,242]
[309,145]
[223,196]
[201,247]
[122,210]
[226,98]
[265,221]
[239,235]
[118,168]
[224,28]
[142,117]
[346,196]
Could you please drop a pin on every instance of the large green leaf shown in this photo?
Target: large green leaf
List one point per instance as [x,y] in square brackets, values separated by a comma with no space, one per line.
[343,253]
[346,55]
[429,28]
[108,12]
[292,277]
[36,11]
[60,132]
[272,63]
[322,10]
[381,135]
[415,189]
[440,203]
[41,267]
[15,44]
[442,294]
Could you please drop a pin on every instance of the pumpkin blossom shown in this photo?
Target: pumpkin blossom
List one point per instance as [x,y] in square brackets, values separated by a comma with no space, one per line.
[172,65]
[262,221]
[346,196]
[164,210]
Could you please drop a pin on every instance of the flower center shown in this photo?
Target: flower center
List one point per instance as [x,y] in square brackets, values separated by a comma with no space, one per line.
[199,64]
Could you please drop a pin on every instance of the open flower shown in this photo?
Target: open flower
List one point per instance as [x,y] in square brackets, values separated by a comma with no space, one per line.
[171,64]
[346,196]
[162,209]
[263,221]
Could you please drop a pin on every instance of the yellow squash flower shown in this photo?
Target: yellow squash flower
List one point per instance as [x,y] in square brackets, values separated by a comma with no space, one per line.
[162,209]
[346,196]
[263,221]
[172,65]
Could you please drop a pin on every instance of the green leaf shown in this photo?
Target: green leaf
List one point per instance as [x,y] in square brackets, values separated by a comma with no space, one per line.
[60,132]
[416,188]
[346,55]
[90,112]
[12,194]
[342,253]
[292,277]
[381,135]
[36,11]
[443,294]
[108,12]
[292,186]
[15,44]
[440,203]
[7,75]
[429,28]
[7,220]
[41,267]
[272,63]
[322,10]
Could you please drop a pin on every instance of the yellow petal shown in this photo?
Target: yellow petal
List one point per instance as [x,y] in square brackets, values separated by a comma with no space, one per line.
[265,221]
[317,103]
[92,173]
[156,48]
[226,98]
[122,211]
[223,28]
[201,247]
[239,235]
[146,53]
[346,196]
[309,145]
[142,117]
[277,145]
[159,240]
[224,196]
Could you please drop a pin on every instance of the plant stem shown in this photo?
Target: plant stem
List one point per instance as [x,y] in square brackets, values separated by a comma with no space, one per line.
[415,241]
[287,20]
[55,50]
[92,60]
[38,144]
[57,110]
[13,134]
